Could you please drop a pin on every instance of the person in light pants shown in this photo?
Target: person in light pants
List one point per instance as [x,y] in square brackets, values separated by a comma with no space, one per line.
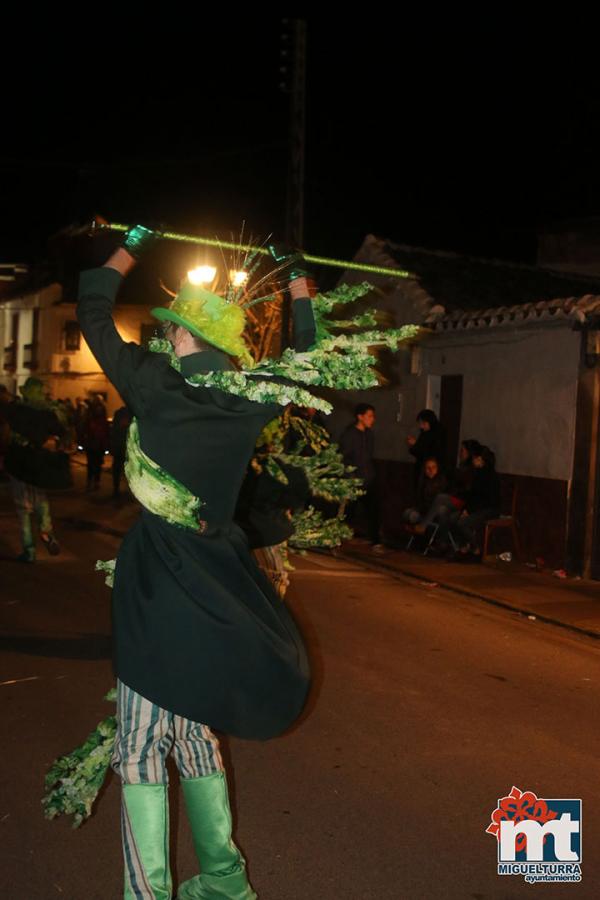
[146,734]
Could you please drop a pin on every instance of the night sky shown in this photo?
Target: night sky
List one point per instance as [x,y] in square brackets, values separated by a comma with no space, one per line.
[447,137]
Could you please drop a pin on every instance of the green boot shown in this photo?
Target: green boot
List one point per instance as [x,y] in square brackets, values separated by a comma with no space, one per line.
[223,868]
[145,825]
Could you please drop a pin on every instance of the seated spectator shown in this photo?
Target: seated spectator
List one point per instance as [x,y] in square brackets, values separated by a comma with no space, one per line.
[446,503]
[463,475]
[482,502]
[432,483]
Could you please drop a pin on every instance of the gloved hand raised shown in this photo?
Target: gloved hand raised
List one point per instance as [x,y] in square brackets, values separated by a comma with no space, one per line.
[139,240]
[291,258]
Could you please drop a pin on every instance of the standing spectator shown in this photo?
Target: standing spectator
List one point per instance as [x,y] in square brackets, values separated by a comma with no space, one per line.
[95,442]
[69,415]
[33,466]
[356,445]
[80,419]
[118,445]
[431,442]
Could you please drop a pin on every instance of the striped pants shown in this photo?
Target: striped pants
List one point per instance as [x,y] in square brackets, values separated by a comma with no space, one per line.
[146,734]
[273,561]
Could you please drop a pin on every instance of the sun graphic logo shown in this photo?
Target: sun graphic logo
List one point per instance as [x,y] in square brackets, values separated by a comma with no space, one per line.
[539,839]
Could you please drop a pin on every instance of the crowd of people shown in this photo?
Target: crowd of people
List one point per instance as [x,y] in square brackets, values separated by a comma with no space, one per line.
[451,503]
[455,501]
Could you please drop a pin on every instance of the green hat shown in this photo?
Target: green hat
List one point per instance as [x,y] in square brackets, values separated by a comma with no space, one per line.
[209,317]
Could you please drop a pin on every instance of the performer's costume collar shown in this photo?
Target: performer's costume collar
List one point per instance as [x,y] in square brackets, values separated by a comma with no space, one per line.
[212,360]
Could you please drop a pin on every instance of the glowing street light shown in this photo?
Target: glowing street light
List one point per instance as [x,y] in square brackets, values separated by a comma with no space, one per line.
[202,275]
[238,278]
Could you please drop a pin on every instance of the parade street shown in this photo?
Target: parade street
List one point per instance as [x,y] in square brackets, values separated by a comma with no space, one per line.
[426,709]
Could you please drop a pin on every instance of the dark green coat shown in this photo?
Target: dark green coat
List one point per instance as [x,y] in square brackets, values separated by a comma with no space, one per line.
[26,458]
[198,628]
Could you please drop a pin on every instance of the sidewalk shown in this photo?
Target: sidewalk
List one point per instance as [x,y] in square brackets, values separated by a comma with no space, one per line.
[572,603]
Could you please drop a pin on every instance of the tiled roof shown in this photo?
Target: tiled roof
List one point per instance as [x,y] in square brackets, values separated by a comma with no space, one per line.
[455,292]
[574,309]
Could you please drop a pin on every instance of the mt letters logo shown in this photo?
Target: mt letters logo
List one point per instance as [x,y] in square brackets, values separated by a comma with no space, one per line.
[539,839]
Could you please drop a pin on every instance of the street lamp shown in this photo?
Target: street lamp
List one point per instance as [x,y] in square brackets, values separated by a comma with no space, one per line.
[202,275]
[237,279]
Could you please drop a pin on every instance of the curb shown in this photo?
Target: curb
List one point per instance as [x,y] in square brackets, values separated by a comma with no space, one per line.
[380,566]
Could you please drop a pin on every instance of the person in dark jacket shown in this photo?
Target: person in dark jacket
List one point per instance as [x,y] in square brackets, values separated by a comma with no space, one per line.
[431,442]
[445,506]
[356,446]
[463,475]
[80,417]
[482,502]
[34,465]
[96,437]
[201,639]
[432,484]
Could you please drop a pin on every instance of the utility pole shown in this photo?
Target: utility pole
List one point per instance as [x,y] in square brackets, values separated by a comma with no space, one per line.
[294,226]
[293,82]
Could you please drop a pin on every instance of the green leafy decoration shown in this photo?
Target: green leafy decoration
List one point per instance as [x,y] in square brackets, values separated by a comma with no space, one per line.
[156,489]
[328,476]
[311,529]
[248,386]
[326,473]
[74,781]
[340,361]
[108,567]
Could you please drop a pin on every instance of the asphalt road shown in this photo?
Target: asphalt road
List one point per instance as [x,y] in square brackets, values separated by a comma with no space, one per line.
[426,709]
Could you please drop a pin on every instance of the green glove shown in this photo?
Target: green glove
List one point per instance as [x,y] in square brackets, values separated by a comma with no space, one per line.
[287,256]
[138,240]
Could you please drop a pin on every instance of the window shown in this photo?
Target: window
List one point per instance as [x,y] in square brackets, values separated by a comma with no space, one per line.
[10,352]
[72,335]
[30,350]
